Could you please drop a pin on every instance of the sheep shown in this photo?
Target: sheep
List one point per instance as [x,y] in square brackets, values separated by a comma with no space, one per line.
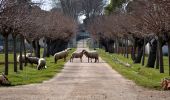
[33,60]
[60,55]
[92,55]
[23,57]
[4,80]
[41,63]
[76,55]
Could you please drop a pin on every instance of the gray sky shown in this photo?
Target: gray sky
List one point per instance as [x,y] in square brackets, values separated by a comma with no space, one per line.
[47,4]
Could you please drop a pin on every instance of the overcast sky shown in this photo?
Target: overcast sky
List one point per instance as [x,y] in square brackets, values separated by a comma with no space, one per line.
[47,4]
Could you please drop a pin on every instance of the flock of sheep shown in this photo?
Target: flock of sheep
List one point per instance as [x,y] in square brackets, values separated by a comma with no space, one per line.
[41,62]
[89,54]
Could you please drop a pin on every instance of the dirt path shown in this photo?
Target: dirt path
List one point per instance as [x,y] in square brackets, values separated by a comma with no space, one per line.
[84,81]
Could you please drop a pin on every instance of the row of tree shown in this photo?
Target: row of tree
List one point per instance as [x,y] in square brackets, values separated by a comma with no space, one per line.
[26,20]
[138,22]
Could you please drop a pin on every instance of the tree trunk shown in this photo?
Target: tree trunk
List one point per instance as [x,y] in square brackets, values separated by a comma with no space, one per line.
[34,47]
[25,64]
[152,54]
[6,55]
[45,49]
[139,55]
[48,48]
[118,46]
[133,51]
[37,49]
[15,53]
[161,65]
[21,46]
[157,58]
[169,55]
[143,58]
[124,53]
[127,54]
[122,47]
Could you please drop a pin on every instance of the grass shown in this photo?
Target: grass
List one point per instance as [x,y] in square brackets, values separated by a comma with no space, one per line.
[30,74]
[141,75]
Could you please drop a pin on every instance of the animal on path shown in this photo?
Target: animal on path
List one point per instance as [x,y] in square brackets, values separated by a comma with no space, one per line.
[91,55]
[76,55]
[61,55]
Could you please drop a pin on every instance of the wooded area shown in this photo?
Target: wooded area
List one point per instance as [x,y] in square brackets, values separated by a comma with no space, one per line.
[133,26]
[26,19]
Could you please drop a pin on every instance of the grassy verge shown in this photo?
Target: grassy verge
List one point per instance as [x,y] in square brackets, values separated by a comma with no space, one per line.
[141,75]
[31,75]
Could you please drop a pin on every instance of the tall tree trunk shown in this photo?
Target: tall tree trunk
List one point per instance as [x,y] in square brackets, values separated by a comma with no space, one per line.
[160,55]
[143,57]
[45,49]
[152,54]
[34,47]
[6,55]
[127,53]
[37,49]
[24,51]
[169,55]
[21,46]
[139,55]
[15,53]
[48,48]
[125,46]
[124,53]
[157,58]
[122,46]
[118,46]
[133,51]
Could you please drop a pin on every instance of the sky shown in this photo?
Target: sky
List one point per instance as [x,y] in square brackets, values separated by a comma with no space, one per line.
[46,4]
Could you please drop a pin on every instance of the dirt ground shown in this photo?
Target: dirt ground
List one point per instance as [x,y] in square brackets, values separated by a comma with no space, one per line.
[84,81]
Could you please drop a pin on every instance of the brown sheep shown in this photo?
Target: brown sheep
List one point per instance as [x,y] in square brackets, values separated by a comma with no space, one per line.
[76,55]
[61,55]
[92,55]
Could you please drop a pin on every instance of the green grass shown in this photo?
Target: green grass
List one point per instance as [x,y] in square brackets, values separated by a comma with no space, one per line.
[141,75]
[30,74]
